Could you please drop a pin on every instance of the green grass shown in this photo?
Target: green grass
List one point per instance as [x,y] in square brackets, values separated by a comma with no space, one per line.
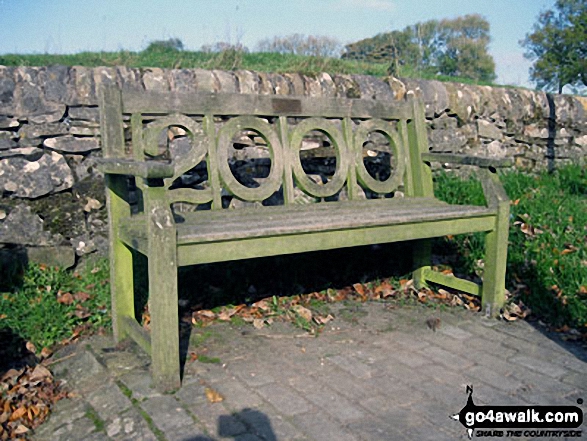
[227,60]
[32,312]
[547,253]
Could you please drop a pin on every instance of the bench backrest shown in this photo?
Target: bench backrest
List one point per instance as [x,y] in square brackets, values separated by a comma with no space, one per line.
[211,122]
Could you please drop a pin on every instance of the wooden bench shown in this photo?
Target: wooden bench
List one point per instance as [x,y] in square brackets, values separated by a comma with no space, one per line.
[211,123]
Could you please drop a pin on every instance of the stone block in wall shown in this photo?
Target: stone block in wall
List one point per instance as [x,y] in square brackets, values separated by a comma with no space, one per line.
[72,144]
[373,88]
[398,88]
[7,140]
[312,86]
[533,131]
[7,87]
[30,102]
[496,149]
[30,153]
[488,130]
[155,79]
[55,80]
[279,84]
[84,113]
[33,179]
[447,140]
[22,226]
[581,141]
[434,94]
[62,256]
[444,122]
[205,80]
[182,80]
[347,87]
[83,89]
[296,83]
[248,81]
[8,123]
[42,130]
[84,130]
[226,81]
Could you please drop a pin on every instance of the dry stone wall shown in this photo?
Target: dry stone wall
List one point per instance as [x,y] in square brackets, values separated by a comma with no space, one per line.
[51,195]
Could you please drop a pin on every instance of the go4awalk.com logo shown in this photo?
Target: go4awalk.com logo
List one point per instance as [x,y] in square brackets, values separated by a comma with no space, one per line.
[520,421]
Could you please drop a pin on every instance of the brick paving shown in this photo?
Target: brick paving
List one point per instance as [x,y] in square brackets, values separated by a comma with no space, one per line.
[379,374]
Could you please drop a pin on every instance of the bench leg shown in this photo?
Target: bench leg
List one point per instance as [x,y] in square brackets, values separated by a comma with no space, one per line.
[163,298]
[422,258]
[122,287]
[496,248]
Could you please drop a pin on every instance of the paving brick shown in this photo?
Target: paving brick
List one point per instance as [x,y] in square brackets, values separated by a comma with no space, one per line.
[108,401]
[446,358]
[356,368]
[409,340]
[494,379]
[129,426]
[169,417]
[576,379]
[253,375]
[330,401]
[284,399]
[319,426]
[84,372]
[375,430]
[140,385]
[217,420]
[237,395]
[268,425]
[540,365]
[454,332]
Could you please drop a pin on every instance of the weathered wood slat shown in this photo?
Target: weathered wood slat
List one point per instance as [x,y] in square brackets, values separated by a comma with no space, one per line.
[130,167]
[453,282]
[261,105]
[209,252]
[137,333]
[213,226]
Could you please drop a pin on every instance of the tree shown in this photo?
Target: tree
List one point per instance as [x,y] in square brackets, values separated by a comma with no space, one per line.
[465,48]
[558,46]
[172,44]
[453,47]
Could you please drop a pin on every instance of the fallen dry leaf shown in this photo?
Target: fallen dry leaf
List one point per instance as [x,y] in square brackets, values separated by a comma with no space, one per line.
[213,396]
[81,296]
[31,347]
[21,430]
[65,298]
[40,373]
[360,289]
[303,312]
[258,323]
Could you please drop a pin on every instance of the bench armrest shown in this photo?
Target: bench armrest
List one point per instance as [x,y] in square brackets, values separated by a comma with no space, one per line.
[142,169]
[479,161]
[493,190]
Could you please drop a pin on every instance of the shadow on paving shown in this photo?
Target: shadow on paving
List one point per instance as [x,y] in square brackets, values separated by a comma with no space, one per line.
[262,425]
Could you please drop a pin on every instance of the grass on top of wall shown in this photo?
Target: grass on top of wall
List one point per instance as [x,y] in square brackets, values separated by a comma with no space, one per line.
[226,60]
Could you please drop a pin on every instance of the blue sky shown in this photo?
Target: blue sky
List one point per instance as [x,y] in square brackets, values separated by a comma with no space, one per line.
[69,26]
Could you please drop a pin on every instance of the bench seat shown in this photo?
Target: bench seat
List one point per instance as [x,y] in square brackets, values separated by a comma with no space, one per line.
[379,221]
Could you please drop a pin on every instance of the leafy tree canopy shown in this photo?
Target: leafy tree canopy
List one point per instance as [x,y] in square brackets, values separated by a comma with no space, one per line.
[558,46]
[171,44]
[453,47]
